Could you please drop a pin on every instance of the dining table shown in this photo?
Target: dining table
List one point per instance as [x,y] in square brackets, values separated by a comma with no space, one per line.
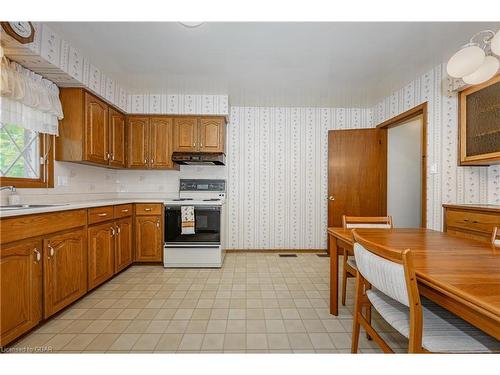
[460,274]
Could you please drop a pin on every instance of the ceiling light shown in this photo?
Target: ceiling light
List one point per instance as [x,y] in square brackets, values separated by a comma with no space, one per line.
[474,62]
[191,25]
[486,71]
[465,61]
[495,44]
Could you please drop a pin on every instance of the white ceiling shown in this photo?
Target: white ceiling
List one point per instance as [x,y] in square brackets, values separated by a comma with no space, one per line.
[290,64]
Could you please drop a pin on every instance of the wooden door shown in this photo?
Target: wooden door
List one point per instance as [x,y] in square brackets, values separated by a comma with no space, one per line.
[116,138]
[96,137]
[20,288]
[138,142]
[186,134]
[123,244]
[160,143]
[212,134]
[148,238]
[65,269]
[101,258]
[357,174]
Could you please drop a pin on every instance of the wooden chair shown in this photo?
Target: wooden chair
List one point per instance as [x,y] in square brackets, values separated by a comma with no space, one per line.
[386,281]
[495,237]
[348,262]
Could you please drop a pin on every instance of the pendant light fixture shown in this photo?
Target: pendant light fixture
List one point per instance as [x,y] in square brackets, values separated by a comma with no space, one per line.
[475,62]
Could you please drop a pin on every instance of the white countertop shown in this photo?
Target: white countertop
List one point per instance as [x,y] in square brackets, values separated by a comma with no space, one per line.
[98,203]
[74,206]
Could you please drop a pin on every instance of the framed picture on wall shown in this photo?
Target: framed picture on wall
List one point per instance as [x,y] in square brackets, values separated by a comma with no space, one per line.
[479,123]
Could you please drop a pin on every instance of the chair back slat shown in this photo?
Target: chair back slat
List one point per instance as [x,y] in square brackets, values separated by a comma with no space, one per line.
[385,275]
[350,222]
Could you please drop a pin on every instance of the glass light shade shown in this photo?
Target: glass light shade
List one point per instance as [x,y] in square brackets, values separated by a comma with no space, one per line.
[495,44]
[465,62]
[486,71]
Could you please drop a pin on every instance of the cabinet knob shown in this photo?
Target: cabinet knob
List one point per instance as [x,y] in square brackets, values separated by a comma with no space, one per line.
[112,231]
[108,156]
[118,230]
[158,223]
[51,251]
[152,161]
[194,144]
[145,161]
[37,255]
[113,156]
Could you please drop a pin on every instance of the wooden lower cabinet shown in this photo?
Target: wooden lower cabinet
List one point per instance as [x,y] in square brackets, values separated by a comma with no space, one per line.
[471,221]
[101,253]
[148,238]
[123,244]
[65,269]
[20,288]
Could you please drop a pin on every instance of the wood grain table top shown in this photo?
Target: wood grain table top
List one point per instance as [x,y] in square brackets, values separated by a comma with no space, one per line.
[460,267]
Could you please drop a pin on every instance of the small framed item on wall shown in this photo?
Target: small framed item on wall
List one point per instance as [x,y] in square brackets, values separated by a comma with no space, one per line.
[479,123]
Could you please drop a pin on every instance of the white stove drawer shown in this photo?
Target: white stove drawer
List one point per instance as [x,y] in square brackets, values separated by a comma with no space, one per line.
[193,256]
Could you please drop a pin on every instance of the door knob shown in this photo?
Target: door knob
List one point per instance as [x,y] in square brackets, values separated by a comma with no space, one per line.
[331,198]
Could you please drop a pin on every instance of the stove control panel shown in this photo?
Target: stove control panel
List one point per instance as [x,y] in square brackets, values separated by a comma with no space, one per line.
[203,185]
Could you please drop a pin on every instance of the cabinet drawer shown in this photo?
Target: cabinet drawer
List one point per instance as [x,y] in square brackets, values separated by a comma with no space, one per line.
[472,221]
[21,227]
[123,210]
[100,214]
[148,209]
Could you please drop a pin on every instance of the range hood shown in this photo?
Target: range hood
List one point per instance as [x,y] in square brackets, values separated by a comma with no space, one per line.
[199,158]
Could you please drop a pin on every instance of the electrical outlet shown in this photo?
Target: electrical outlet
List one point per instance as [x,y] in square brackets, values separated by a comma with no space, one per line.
[62,180]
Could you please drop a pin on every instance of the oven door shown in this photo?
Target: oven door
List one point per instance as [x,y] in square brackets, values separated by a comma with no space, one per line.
[206,225]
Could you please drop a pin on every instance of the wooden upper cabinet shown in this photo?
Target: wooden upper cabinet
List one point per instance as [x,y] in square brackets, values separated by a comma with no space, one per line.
[116,138]
[101,253]
[185,134]
[212,134]
[91,131]
[138,142]
[160,142]
[148,238]
[96,136]
[123,244]
[65,269]
[20,288]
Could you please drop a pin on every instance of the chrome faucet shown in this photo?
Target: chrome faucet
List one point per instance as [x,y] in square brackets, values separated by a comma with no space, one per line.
[11,188]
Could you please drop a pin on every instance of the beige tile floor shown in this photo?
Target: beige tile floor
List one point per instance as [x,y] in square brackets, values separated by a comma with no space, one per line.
[256,303]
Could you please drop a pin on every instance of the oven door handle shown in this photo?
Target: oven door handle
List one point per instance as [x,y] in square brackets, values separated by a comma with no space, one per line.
[196,246]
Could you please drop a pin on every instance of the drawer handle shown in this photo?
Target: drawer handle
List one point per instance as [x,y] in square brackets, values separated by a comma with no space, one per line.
[158,223]
[118,230]
[102,214]
[147,209]
[112,231]
[125,210]
[475,222]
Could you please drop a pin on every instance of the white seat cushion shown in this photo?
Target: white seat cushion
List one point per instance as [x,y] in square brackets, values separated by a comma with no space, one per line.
[442,332]
[352,262]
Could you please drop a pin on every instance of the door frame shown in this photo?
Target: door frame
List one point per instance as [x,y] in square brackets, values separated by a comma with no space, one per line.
[402,118]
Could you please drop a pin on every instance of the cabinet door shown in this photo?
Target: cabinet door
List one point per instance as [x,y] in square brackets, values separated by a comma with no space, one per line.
[96,137]
[185,134]
[137,145]
[160,143]
[116,138]
[65,270]
[212,134]
[123,244]
[20,288]
[101,257]
[148,238]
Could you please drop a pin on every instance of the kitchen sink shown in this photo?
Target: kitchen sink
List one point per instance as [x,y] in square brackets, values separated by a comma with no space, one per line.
[26,206]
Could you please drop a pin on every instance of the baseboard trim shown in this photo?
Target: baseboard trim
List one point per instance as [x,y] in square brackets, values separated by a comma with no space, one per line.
[284,251]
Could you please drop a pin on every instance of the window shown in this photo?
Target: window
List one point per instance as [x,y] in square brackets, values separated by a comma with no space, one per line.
[25,157]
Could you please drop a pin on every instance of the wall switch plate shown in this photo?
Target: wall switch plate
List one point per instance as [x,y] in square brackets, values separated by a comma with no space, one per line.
[434,168]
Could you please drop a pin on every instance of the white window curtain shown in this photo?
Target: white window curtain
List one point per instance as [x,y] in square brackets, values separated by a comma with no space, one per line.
[28,100]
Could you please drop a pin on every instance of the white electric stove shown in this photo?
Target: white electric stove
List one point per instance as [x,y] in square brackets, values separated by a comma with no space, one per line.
[205,247]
